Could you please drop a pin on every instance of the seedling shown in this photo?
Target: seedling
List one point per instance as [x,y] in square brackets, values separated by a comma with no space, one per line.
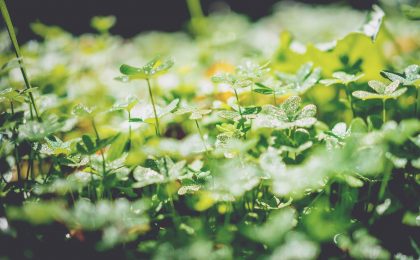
[305,78]
[345,79]
[288,115]
[383,92]
[195,114]
[127,105]
[152,69]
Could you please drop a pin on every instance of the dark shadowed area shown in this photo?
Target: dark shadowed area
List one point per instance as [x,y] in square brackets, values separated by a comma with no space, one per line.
[133,16]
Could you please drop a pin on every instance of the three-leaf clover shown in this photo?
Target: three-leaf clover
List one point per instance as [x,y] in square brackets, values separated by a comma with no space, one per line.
[287,115]
[195,114]
[382,91]
[345,79]
[127,104]
[153,68]
[341,77]
[305,78]
[232,80]
[11,95]
[157,66]
[410,76]
[275,89]
[252,71]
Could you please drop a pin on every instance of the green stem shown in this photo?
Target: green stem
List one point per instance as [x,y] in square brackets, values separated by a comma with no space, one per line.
[240,112]
[201,135]
[383,111]
[12,36]
[101,151]
[350,100]
[197,15]
[416,102]
[154,107]
[385,180]
[129,130]
[17,159]
[253,95]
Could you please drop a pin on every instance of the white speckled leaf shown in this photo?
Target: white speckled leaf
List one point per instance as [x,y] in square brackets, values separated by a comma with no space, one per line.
[146,176]
[392,87]
[307,111]
[397,93]
[366,95]
[291,105]
[378,86]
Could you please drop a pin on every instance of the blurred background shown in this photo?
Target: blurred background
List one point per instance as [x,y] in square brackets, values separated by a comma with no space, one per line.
[134,16]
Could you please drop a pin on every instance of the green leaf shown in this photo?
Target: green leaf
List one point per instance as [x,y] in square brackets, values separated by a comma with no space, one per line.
[411,12]
[146,176]
[103,23]
[88,142]
[81,110]
[153,68]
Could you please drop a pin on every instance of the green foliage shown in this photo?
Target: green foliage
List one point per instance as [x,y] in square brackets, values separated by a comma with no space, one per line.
[382,91]
[157,66]
[263,147]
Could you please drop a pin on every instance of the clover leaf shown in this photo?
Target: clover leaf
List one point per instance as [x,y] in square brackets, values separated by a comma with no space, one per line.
[153,68]
[195,113]
[410,76]
[287,115]
[341,77]
[127,104]
[305,78]
[382,91]
[232,80]
[11,95]
[252,71]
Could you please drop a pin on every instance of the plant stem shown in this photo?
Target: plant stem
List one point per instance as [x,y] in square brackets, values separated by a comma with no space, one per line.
[237,100]
[154,107]
[101,151]
[348,94]
[196,13]
[252,95]
[240,111]
[201,135]
[129,130]
[12,36]
[383,111]
[416,101]
[17,159]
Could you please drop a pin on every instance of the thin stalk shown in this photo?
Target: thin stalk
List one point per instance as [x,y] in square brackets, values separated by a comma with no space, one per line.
[252,95]
[17,159]
[383,111]
[240,111]
[350,100]
[196,13]
[154,108]
[201,135]
[237,100]
[129,130]
[385,180]
[12,36]
[416,102]
[101,151]
[171,202]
